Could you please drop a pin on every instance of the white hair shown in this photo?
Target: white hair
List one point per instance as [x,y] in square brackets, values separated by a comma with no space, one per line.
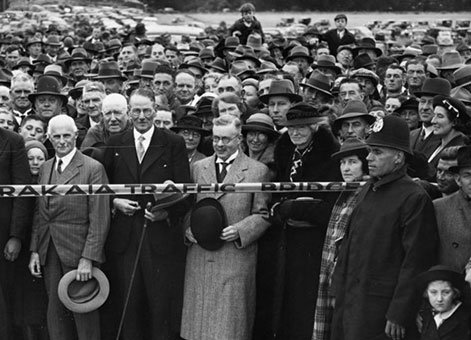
[115,100]
[61,121]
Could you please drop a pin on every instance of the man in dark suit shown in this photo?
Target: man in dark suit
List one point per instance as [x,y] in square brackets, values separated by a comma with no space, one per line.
[338,36]
[15,217]
[69,232]
[146,154]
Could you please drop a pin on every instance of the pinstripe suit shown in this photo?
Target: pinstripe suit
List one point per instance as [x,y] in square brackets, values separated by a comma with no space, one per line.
[66,229]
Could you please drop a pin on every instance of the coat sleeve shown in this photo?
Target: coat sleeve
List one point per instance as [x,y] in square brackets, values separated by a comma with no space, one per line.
[420,242]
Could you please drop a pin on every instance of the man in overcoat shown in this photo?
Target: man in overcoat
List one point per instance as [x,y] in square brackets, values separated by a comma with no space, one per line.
[391,237]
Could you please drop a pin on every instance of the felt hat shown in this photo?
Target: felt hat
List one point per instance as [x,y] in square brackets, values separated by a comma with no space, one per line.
[33,40]
[281,87]
[53,41]
[240,68]
[5,77]
[433,87]
[255,41]
[83,296]
[231,43]
[327,61]
[148,68]
[22,62]
[192,123]
[78,54]
[461,94]
[365,73]
[462,76]
[218,65]
[207,220]
[429,49]
[409,52]
[450,61]
[354,109]
[48,85]
[440,273]
[260,122]
[108,70]
[455,108]
[114,45]
[167,199]
[194,62]
[463,159]
[319,82]
[299,52]
[302,114]
[204,106]
[267,67]
[247,53]
[351,146]
[362,60]
[55,71]
[367,43]
[206,53]
[411,103]
[340,16]
[76,92]
[42,59]
[391,132]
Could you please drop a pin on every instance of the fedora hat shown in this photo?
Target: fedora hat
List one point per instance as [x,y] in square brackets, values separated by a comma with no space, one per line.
[55,71]
[362,60]
[351,146]
[204,106]
[113,44]
[299,52]
[76,92]
[429,49]
[147,70]
[53,41]
[207,53]
[231,43]
[354,109]
[218,65]
[78,54]
[48,85]
[462,76]
[461,94]
[247,53]
[302,114]
[319,82]
[194,62]
[33,40]
[411,103]
[390,132]
[42,59]
[192,123]
[409,52]
[255,41]
[5,77]
[261,122]
[433,87]
[23,62]
[281,87]
[440,273]
[83,296]
[326,61]
[451,61]
[463,159]
[365,73]
[207,220]
[240,68]
[267,67]
[367,44]
[108,70]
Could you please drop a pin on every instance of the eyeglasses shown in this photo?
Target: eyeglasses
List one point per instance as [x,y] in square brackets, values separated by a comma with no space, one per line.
[135,112]
[224,140]
[188,133]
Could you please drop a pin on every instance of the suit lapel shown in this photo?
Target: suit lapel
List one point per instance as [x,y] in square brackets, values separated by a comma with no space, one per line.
[236,171]
[129,153]
[464,208]
[155,150]
[72,169]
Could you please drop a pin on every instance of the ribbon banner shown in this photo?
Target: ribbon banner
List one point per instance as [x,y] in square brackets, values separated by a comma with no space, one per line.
[185,188]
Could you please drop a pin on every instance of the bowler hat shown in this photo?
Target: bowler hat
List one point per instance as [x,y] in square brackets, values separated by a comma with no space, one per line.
[450,61]
[78,54]
[260,122]
[302,114]
[207,220]
[351,146]
[318,81]
[462,76]
[390,132]
[83,296]
[299,52]
[281,87]
[463,159]
[433,87]
[354,109]
[192,123]
[327,61]
[367,44]
[362,60]
[108,70]
[48,85]
[440,273]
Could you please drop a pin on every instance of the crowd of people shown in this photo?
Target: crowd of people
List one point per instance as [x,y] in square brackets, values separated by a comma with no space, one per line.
[390,260]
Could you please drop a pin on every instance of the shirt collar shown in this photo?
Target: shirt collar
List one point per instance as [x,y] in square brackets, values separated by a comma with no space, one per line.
[441,317]
[230,159]
[67,158]
[147,135]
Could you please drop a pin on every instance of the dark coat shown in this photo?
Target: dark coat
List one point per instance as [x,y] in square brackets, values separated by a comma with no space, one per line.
[332,39]
[391,238]
[425,147]
[245,31]
[83,125]
[456,327]
[289,258]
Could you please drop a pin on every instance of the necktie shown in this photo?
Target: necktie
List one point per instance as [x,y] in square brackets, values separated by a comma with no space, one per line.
[59,166]
[223,172]
[141,151]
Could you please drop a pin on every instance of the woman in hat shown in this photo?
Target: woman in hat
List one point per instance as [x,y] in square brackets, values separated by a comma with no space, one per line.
[451,123]
[260,136]
[444,316]
[192,131]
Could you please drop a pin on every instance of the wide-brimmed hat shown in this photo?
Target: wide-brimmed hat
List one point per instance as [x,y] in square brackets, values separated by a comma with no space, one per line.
[409,52]
[267,67]
[42,59]
[246,53]
[76,92]
[461,94]
[450,61]
[167,199]
[207,220]
[22,62]
[231,43]
[319,82]
[108,70]
[218,65]
[351,146]
[302,114]
[365,73]
[255,41]
[194,62]
[463,159]
[462,76]
[78,54]
[261,122]
[327,61]
[354,109]
[281,87]
[83,296]
[55,70]
[390,132]
[455,108]
[147,70]
[362,60]
[367,44]
[299,52]
[53,41]
[434,87]
[440,273]
[48,85]
[192,123]
[241,68]
[33,40]
[429,49]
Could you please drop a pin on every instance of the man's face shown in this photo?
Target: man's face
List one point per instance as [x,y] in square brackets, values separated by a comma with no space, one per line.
[172,58]
[411,117]
[381,161]
[350,91]
[115,117]
[426,109]
[12,58]
[33,129]
[158,52]
[19,95]
[322,51]
[78,68]
[354,127]
[247,16]
[314,97]
[463,179]
[302,63]
[63,139]
[345,57]
[185,87]
[128,54]
[445,178]
[92,104]
[415,75]
[226,140]
[163,84]
[230,85]
[278,107]
[264,86]
[164,119]
[142,113]
[340,24]
[228,109]
[367,84]
[35,50]
[112,85]
[48,106]
[5,99]
[393,80]
[52,50]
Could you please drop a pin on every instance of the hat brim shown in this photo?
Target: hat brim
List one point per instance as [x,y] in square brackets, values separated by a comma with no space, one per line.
[317,89]
[32,96]
[303,121]
[450,67]
[165,200]
[337,69]
[456,279]
[249,57]
[309,58]
[70,60]
[202,131]
[110,77]
[270,132]
[367,117]
[292,96]
[217,243]
[385,145]
[353,151]
[378,51]
[93,304]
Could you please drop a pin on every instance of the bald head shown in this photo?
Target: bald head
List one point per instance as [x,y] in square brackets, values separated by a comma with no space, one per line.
[115,113]
[114,101]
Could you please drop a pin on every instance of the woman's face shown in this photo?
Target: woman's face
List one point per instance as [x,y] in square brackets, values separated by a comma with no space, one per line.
[257,141]
[440,295]
[210,85]
[300,135]
[442,125]
[192,139]
[351,168]
[36,159]
[411,117]
[7,121]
